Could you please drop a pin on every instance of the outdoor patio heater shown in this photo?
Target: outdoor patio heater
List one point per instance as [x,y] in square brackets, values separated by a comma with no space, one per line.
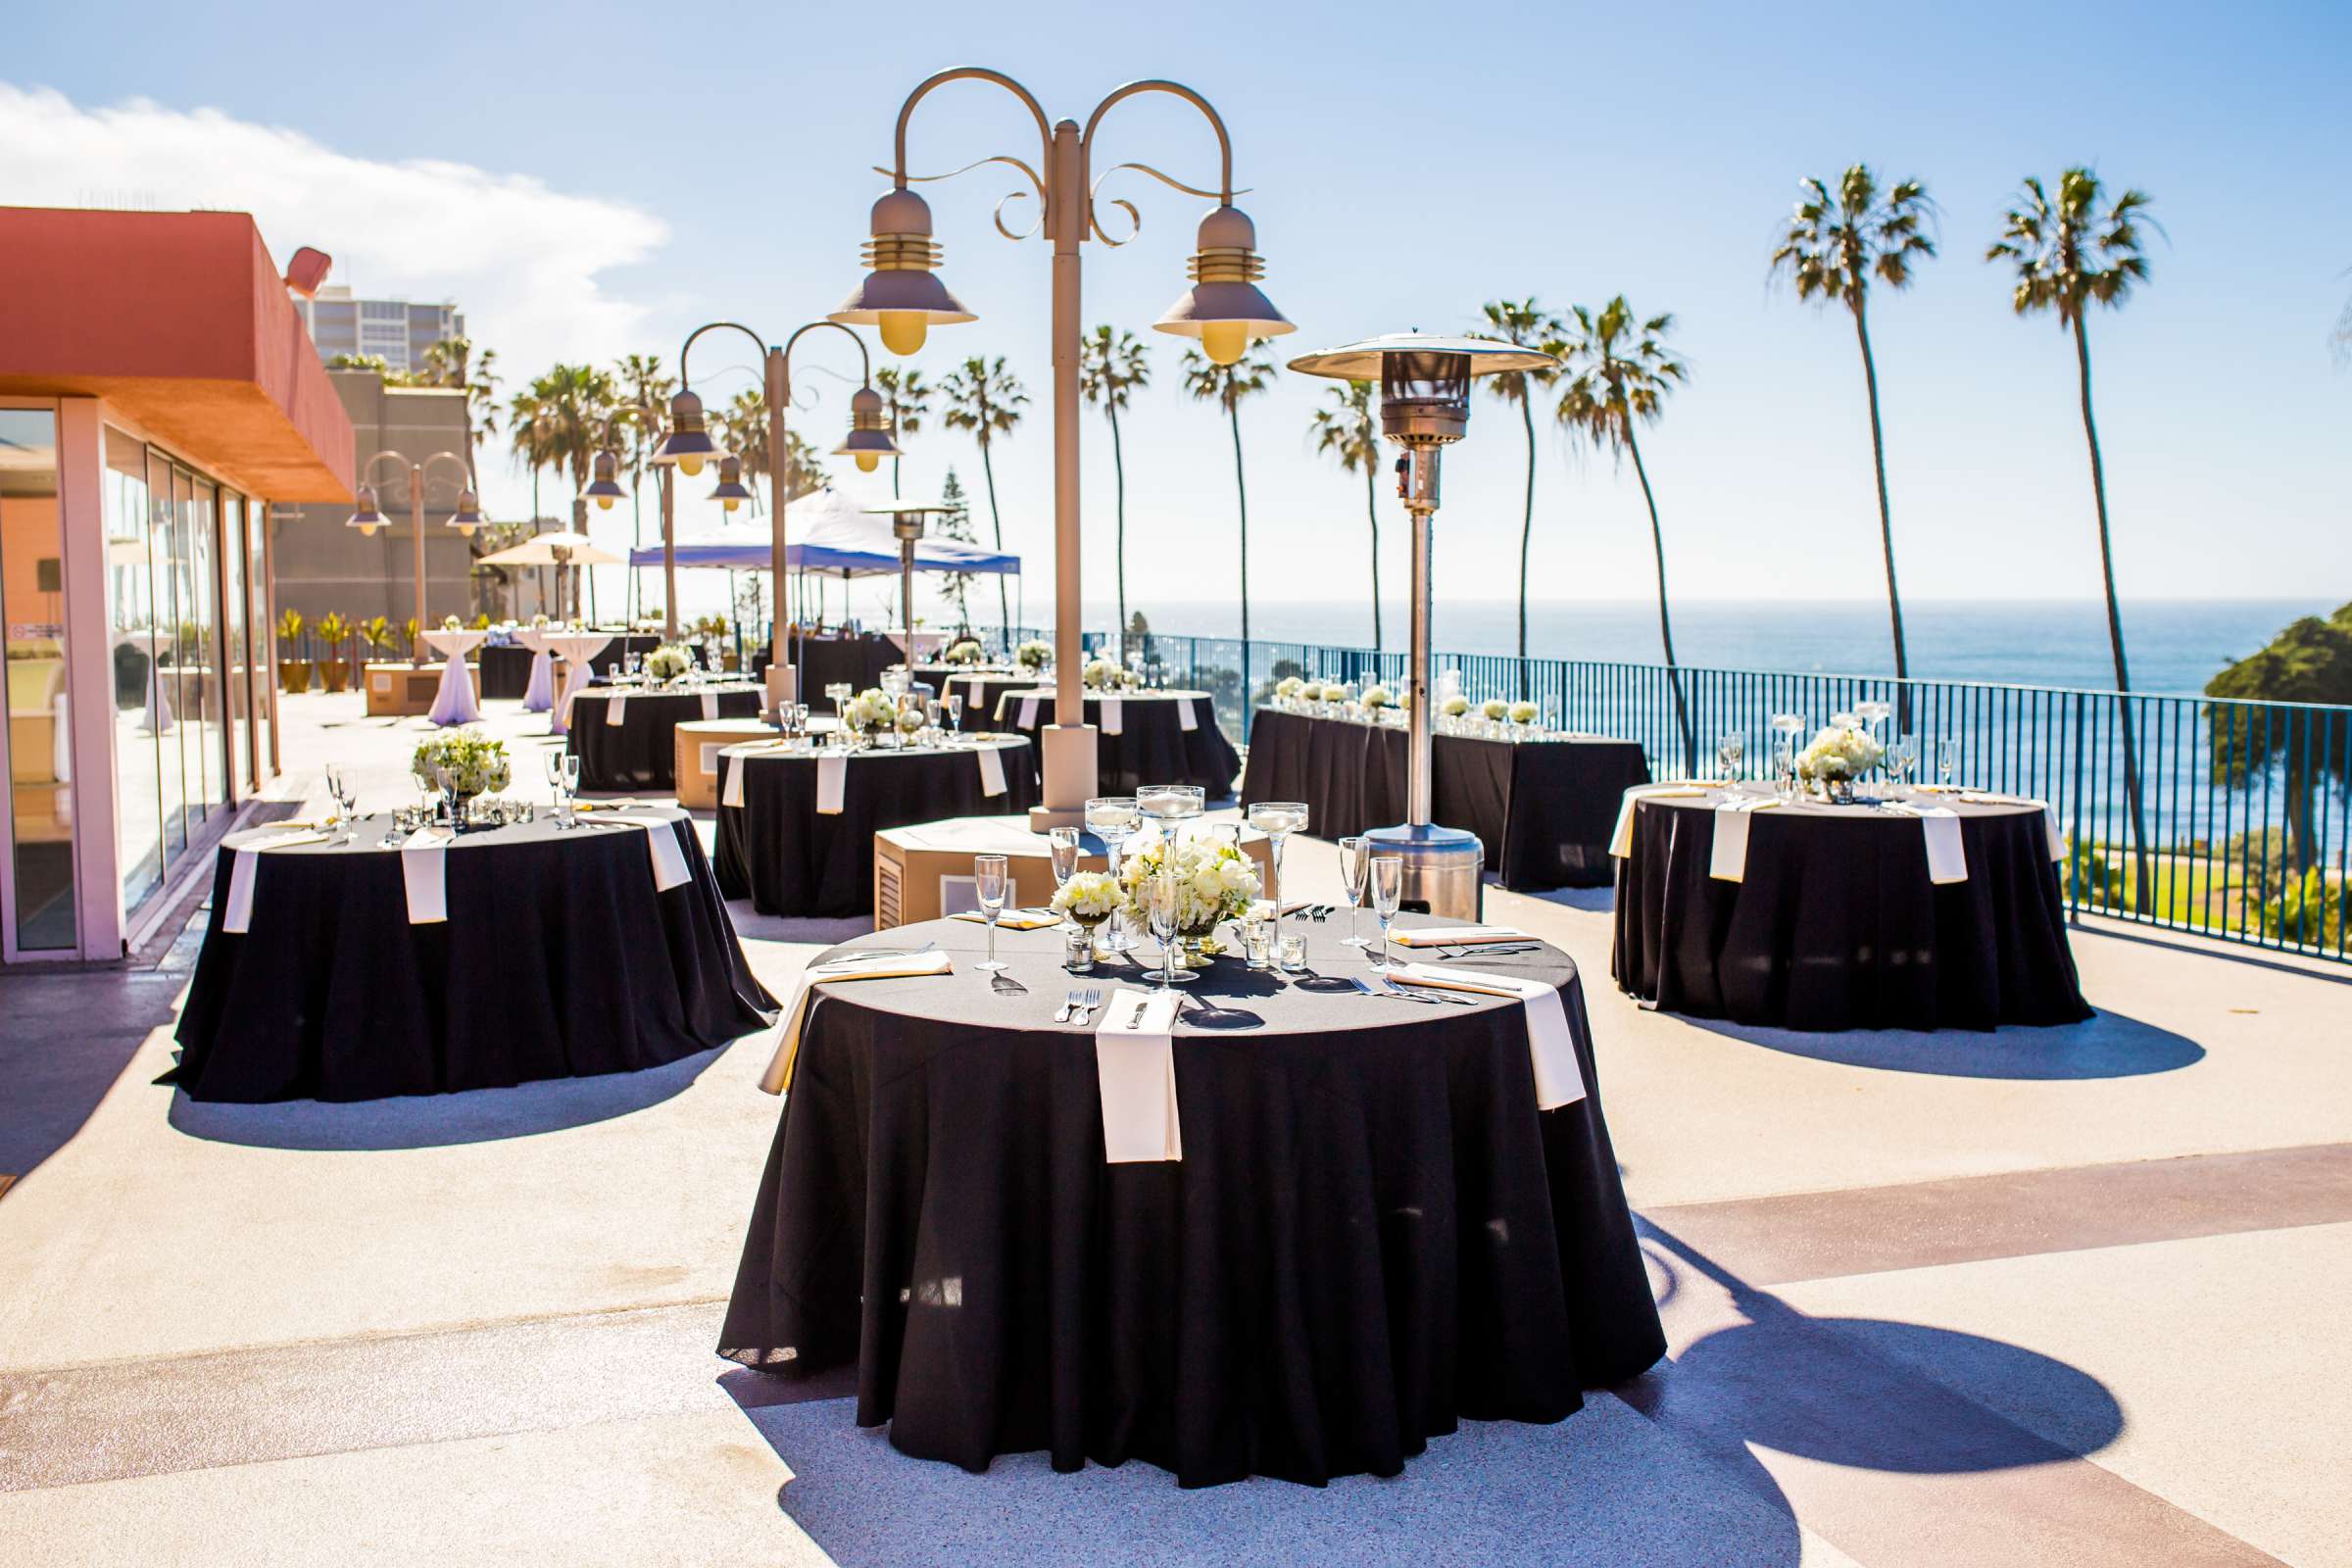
[907,526]
[1423,408]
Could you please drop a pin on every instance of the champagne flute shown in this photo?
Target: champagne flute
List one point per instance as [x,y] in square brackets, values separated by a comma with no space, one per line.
[988,871]
[1947,760]
[571,789]
[955,701]
[1387,887]
[1355,860]
[1277,820]
[334,788]
[1065,849]
[1159,904]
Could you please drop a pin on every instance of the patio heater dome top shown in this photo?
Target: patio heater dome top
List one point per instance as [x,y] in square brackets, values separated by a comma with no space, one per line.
[907,514]
[1424,379]
[901,296]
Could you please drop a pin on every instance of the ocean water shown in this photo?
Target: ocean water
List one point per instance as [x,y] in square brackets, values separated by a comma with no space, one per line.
[2172,645]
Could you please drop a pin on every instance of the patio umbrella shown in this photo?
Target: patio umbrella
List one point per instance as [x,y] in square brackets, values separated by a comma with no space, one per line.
[563,548]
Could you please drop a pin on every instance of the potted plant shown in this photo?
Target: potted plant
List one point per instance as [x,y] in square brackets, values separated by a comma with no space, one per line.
[334,671]
[293,674]
[376,632]
[411,630]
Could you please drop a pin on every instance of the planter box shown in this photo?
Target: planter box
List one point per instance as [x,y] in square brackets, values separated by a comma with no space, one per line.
[403,689]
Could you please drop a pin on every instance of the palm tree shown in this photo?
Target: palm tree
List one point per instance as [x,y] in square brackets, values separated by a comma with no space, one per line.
[985,398]
[1524,323]
[909,398]
[1112,365]
[528,437]
[2070,254]
[647,390]
[1617,376]
[1832,246]
[740,430]
[1350,431]
[1227,386]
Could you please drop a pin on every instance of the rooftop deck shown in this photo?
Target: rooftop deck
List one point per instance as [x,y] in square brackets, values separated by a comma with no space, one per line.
[2035,1297]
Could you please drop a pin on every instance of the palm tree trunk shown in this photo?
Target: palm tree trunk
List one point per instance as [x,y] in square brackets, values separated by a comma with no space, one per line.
[1118,469]
[1372,515]
[1527,527]
[1004,604]
[1240,487]
[1673,677]
[636,593]
[2143,871]
[1878,456]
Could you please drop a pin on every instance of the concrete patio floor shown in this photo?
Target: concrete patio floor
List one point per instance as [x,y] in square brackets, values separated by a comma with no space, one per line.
[2043,1296]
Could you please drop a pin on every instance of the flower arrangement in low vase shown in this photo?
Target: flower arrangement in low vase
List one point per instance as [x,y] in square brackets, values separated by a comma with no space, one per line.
[452,623]
[461,764]
[1841,753]
[1378,696]
[1454,707]
[1101,676]
[1090,897]
[870,712]
[1495,709]
[965,651]
[1214,882]
[1033,656]
[667,662]
[1289,687]
[1523,713]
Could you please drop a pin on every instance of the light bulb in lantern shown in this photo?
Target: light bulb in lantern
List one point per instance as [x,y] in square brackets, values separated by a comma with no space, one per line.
[1224,342]
[868,462]
[730,506]
[690,464]
[604,503]
[904,331]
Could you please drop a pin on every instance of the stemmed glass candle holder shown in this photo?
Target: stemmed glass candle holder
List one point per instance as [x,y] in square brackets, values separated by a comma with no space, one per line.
[1113,818]
[1171,806]
[1278,821]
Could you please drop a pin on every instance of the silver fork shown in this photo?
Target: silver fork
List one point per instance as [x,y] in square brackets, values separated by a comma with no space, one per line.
[1094,999]
[1069,1004]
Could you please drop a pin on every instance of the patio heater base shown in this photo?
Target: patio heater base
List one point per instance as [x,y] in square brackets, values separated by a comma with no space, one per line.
[1443,869]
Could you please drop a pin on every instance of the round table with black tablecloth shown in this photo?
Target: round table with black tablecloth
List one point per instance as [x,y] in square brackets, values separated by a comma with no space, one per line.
[506,669]
[560,959]
[1373,1233]
[1543,809]
[640,752]
[614,655]
[789,858]
[1834,922]
[979,689]
[832,661]
[1152,746]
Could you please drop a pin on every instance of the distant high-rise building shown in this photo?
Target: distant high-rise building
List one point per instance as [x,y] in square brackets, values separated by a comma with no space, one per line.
[397,330]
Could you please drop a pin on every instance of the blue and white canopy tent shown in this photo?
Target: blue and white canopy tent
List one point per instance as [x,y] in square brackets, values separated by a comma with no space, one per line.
[825,531]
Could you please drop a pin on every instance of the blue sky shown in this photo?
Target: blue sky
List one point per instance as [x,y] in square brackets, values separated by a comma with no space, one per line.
[586,183]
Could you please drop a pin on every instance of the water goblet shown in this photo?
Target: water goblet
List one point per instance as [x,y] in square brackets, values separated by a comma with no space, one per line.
[988,872]
[1277,820]
[931,711]
[1064,846]
[1730,752]
[1388,889]
[1784,771]
[955,703]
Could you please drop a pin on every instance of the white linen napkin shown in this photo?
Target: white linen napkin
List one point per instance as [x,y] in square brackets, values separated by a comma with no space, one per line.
[778,1077]
[832,777]
[1621,841]
[1114,715]
[977,688]
[616,707]
[1550,1047]
[237,918]
[992,771]
[709,704]
[2049,819]
[732,795]
[1185,716]
[1029,711]
[1947,855]
[1728,862]
[1012,919]
[1457,936]
[424,874]
[1135,1064]
[661,846]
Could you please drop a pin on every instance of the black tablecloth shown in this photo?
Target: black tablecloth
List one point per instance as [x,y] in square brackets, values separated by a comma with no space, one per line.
[1542,809]
[1372,1234]
[615,654]
[978,709]
[640,752]
[1836,925]
[558,960]
[1152,746]
[827,660]
[506,669]
[779,851]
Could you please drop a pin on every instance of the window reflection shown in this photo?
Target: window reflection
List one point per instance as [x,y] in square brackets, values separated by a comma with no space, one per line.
[141,710]
[32,632]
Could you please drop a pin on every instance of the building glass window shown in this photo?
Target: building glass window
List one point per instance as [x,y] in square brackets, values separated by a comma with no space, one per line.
[238,669]
[33,634]
[264,672]
[205,744]
[142,712]
[168,569]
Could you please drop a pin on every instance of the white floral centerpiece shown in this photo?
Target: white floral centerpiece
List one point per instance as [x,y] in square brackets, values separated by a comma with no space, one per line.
[539,621]
[1378,696]
[1033,655]
[1523,713]
[1214,882]
[965,651]
[461,764]
[667,662]
[1090,897]
[1841,753]
[1289,687]
[1495,708]
[1334,692]
[452,623]
[870,709]
[1455,706]
[1101,676]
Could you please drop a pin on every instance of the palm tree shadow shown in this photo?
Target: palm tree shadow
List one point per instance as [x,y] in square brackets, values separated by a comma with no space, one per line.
[2108,1044]
[438,1121]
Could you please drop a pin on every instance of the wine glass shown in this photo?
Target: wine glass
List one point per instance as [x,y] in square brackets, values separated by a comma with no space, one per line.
[1159,907]
[1730,752]
[1902,753]
[571,788]
[1387,887]
[988,871]
[1112,818]
[1784,769]
[1064,842]
[931,711]
[1947,760]
[1277,820]
[955,703]
[1355,860]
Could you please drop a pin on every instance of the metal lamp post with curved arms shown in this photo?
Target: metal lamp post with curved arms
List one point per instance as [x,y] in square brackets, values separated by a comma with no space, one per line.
[468,517]
[688,446]
[1224,309]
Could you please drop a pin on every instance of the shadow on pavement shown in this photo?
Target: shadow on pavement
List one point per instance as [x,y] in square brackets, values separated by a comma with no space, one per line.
[2108,1045]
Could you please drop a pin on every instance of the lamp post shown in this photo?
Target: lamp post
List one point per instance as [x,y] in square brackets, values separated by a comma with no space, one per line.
[1423,408]
[1224,309]
[367,519]
[688,446]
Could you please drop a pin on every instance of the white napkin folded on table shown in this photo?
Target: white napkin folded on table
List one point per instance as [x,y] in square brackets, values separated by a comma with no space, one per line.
[1621,841]
[1185,716]
[1135,1064]
[732,794]
[1728,860]
[1012,919]
[992,771]
[1263,908]
[238,917]
[1028,712]
[1947,855]
[977,686]
[424,874]
[2049,819]
[1114,715]
[832,776]
[709,704]
[615,706]
[778,1077]
[1549,1045]
[661,847]
[1455,936]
